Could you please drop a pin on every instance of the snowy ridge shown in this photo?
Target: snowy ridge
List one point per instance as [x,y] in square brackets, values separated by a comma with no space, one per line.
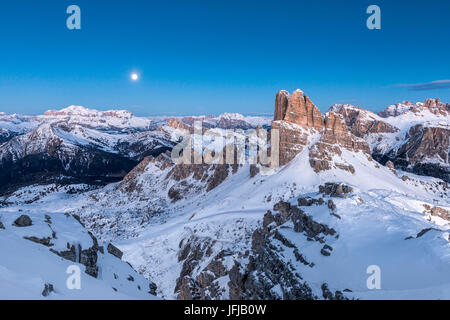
[413,136]
[50,234]
[118,121]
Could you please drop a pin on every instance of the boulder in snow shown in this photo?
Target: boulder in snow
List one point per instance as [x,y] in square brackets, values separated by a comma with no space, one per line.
[23,221]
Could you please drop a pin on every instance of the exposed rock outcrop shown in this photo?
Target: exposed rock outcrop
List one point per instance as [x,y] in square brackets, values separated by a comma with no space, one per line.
[437,212]
[263,272]
[203,286]
[48,288]
[361,122]
[435,106]
[177,124]
[293,139]
[425,151]
[296,118]
[335,189]
[23,221]
[267,275]
[281,105]
[334,137]
[112,249]
[298,109]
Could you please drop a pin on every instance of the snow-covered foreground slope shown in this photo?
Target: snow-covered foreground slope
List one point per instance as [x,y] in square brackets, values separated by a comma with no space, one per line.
[40,256]
[373,223]
[205,236]
[206,242]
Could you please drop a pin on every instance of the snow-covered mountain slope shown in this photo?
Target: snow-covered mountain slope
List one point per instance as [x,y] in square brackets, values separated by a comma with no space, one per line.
[17,123]
[431,109]
[58,149]
[39,256]
[86,145]
[5,135]
[414,137]
[201,244]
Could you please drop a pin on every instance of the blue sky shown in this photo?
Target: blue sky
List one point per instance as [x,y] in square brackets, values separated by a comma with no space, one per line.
[209,57]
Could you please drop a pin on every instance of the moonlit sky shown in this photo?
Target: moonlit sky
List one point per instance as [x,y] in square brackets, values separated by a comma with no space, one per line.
[209,57]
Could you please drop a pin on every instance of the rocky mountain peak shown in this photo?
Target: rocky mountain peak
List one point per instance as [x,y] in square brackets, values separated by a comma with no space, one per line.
[434,106]
[335,122]
[295,117]
[297,108]
[281,104]
[177,124]
[362,122]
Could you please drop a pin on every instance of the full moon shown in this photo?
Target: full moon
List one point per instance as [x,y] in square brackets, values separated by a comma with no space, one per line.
[134,76]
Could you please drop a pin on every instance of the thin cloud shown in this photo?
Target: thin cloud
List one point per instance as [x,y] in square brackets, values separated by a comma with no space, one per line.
[433,85]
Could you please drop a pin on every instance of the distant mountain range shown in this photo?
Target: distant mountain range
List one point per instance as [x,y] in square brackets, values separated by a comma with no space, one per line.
[76,144]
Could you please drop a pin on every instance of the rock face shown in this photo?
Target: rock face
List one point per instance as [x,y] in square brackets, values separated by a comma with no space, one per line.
[335,190]
[434,106]
[114,251]
[281,105]
[362,122]
[336,132]
[298,109]
[205,176]
[421,144]
[48,288]
[229,121]
[232,121]
[293,139]
[201,287]
[267,275]
[296,118]
[23,221]
[264,272]
[334,137]
[177,124]
[423,150]
[437,212]
[87,257]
